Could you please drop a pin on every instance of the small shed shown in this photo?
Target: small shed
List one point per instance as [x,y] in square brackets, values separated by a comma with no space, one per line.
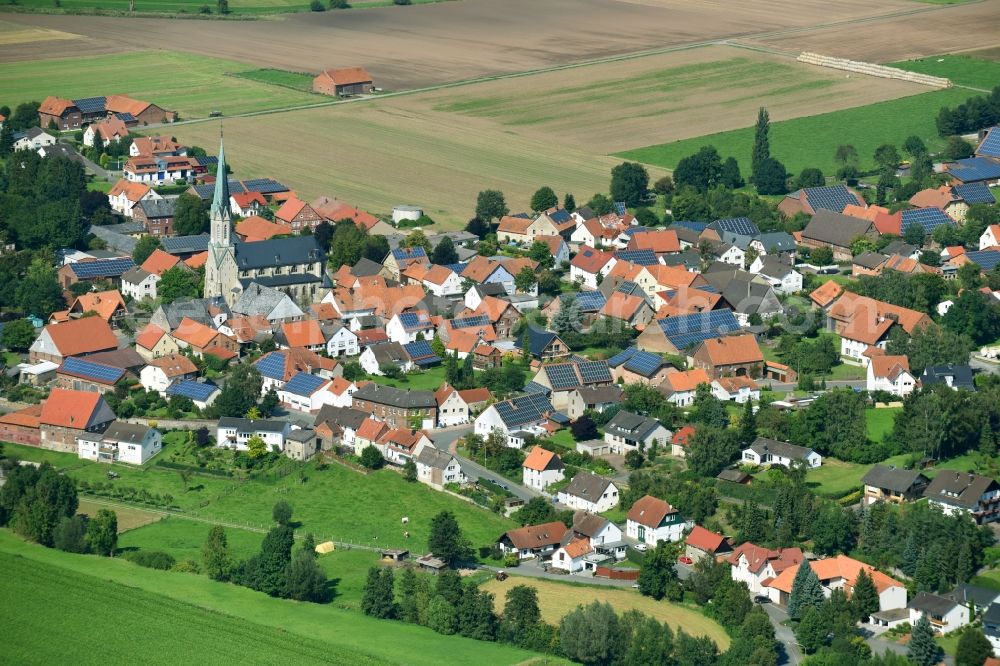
[431,564]
[343,81]
[394,554]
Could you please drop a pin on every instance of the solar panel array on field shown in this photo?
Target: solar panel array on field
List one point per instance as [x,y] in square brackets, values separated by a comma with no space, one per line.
[644,363]
[685,330]
[928,218]
[98,372]
[524,409]
[101,267]
[835,198]
[200,391]
[272,365]
[304,384]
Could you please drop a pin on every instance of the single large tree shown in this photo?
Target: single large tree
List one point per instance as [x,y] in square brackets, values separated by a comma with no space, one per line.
[543,199]
[490,205]
[39,293]
[973,648]
[446,540]
[18,335]
[102,532]
[177,283]
[304,580]
[377,598]
[812,630]
[658,577]
[145,247]
[476,618]
[761,144]
[923,650]
[282,512]
[266,571]
[864,598]
[444,253]
[592,634]
[629,183]
[215,557]
[190,216]
[520,614]
[806,592]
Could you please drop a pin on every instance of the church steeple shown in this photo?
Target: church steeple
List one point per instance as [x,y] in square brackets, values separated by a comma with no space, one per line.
[219,213]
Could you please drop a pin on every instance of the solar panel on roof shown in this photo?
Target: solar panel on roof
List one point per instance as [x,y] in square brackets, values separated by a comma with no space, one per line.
[96,371]
[125,117]
[187,388]
[975,169]
[560,216]
[457,268]
[620,208]
[418,349]
[102,267]
[272,365]
[640,257]
[91,104]
[590,301]
[835,198]
[535,387]
[738,225]
[523,409]
[985,259]
[562,376]
[621,357]
[685,330]
[991,144]
[594,372]
[975,193]
[928,218]
[469,322]
[644,363]
[264,185]
[693,226]
[304,384]
[409,252]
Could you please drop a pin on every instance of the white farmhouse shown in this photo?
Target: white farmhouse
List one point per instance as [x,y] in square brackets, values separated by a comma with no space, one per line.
[945,615]
[542,468]
[891,374]
[165,370]
[589,492]
[341,341]
[121,442]
[236,432]
[436,468]
[766,451]
[651,520]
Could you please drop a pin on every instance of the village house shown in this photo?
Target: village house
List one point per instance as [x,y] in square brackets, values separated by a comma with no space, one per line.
[633,366]
[484,271]
[296,214]
[731,355]
[736,389]
[945,615]
[125,195]
[779,273]
[561,379]
[76,337]
[93,271]
[681,440]
[110,130]
[756,566]
[959,492]
[249,205]
[201,394]
[121,442]
[839,572]
[436,468]
[952,376]
[533,540]
[340,340]
[411,326]
[401,258]
[680,387]
[890,484]
[308,393]
[651,520]
[152,342]
[627,431]
[890,374]
[402,444]
[398,407]
[376,358]
[681,334]
[701,543]
[80,374]
[165,370]
[442,281]
[234,433]
[990,237]
[594,398]
[514,418]
[457,407]
[837,232]
[278,367]
[764,451]
[588,264]
[305,333]
[809,200]
[368,434]
[589,492]
[541,468]
[202,339]
[67,415]
[542,345]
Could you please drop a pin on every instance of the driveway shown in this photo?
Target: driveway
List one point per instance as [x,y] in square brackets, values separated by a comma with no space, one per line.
[445,439]
[533,569]
[789,653]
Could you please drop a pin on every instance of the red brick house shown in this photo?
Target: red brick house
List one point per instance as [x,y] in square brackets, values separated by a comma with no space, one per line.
[67,415]
[344,81]
[62,112]
[297,214]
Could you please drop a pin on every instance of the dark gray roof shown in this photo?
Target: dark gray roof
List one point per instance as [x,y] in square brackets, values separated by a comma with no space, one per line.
[433,457]
[732,475]
[630,425]
[868,260]
[746,292]
[775,266]
[959,489]
[980,596]
[587,486]
[185,244]
[932,604]
[158,207]
[120,431]
[344,417]
[588,524]
[388,395]
[688,258]
[899,247]
[992,615]
[686,234]
[250,425]
[171,314]
[538,340]
[891,478]
[961,376]
[366,268]
[596,395]
[126,359]
[126,228]
[301,435]
[827,226]
[783,449]
[388,353]
[777,241]
[278,252]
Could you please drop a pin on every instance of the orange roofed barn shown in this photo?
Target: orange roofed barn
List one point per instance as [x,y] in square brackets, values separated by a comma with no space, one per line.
[344,81]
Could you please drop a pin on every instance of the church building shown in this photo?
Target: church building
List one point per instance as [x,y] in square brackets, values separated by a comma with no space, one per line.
[295,266]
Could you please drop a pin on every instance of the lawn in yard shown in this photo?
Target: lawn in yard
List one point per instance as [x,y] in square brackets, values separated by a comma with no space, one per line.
[192,85]
[836,478]
[811,141]
[555,599]
[196,620]
[879,422]
[989,579]
[963,70]
[425,380]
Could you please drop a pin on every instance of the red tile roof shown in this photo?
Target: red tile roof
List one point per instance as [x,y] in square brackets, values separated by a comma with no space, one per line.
[82,336]
[590,260]
[733,349]
[345,76]
[540,459]
[149,336]
[537,536]
[195,333]
[159,262]
[649,511]
[305,333]
[69,409]
[704,540]
[256,228]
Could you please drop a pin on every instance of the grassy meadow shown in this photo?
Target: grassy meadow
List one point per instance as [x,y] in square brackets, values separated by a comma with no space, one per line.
[192,85]
[195,620]
[279,77]
[556,599]
[963,70]
[879,422]
[812,140]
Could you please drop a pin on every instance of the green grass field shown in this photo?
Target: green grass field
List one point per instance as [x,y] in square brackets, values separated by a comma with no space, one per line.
[279,77]
[811,141]
[879,422]
[192,85]
[157,617]
[836,478]
[961,69]
[426,380]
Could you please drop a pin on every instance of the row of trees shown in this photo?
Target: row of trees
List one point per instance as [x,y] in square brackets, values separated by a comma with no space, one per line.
[971,116]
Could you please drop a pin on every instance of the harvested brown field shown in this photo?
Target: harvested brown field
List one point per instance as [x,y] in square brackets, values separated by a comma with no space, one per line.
[951,29]
[611,107]
[429,44]
[128,518]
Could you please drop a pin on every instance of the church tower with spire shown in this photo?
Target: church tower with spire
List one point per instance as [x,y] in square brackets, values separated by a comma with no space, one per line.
[221,272]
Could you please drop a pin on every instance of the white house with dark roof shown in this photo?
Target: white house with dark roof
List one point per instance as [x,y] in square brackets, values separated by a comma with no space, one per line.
[961,492]
[945,615]
[589,492]
[766,451]
[627,432]
[436,468]
[234,433]
[121,442]
[526,413]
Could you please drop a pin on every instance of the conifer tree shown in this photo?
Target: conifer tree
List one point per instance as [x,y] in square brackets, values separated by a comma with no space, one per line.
[761,144]
[806,592]
[923,651]
[864,598]
[377,599]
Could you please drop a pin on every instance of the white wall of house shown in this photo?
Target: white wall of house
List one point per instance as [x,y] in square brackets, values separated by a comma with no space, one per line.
[561,560]
[452,286]
[232,437]
[608,500]
[138,454]
[453,411]
[903,386]
[812,459]
[541,479]
[672,531]
[855,349]
[742,573]
[154,378]
[342,343]
[956,618]
[141,290]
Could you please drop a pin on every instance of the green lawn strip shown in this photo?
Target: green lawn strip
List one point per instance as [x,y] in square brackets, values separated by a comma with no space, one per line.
[279,77]
[192,85]
[879,422]
[963,70]
[426,380]
[836,478]
[339,633]
[812,140]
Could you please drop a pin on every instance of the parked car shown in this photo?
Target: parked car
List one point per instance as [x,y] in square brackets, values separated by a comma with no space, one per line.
[760,599]
[684,559]
[641,547]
